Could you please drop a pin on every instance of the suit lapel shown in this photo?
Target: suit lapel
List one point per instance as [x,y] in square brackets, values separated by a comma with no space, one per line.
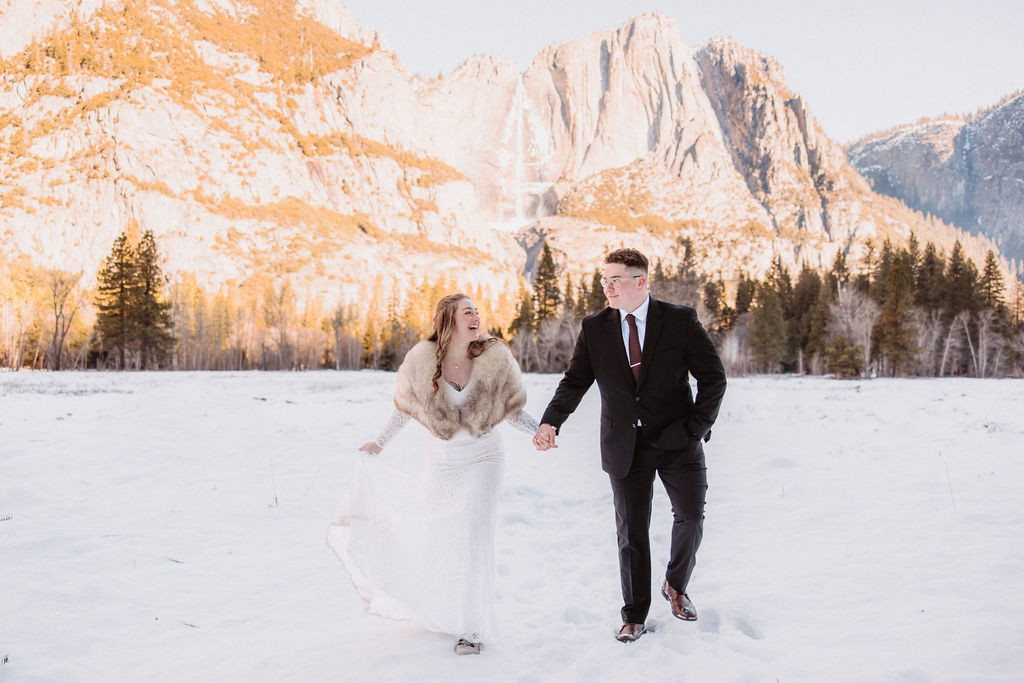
[651,335]
[614,327]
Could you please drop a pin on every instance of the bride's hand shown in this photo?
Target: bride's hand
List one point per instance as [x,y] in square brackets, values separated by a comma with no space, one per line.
[370,447]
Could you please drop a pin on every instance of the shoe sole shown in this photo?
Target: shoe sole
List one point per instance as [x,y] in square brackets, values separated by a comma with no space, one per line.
[664,594]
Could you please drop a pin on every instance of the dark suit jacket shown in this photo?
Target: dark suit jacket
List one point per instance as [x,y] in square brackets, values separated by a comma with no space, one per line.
[675,346]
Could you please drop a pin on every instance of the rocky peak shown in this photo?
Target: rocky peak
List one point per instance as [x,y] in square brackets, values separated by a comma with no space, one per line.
[968,171]
[788,163]
[919,164]
[335,16]
[612,97]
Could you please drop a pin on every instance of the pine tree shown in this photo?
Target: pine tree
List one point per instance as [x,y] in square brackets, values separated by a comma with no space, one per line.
[805,295]
[778,278]
[991,287]
[546,294]
[914,253]
[960,285]
[680,286]
[930,279]
[880,271]
[371,349]
[714,296]
[688,276]
[839,276]
[723,316]
[767,330]
[893,333]
[583,297]
[117,283]
[657,277]
[596,299]
[817,328]
[745,291]
[862,281]
[397,337]
[152,315]
[568,300]
[525,321]
[843,358]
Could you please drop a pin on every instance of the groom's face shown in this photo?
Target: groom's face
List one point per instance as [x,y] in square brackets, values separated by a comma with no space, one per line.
[625,288]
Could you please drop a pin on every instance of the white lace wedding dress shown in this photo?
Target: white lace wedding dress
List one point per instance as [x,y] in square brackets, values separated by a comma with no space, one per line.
[420,545]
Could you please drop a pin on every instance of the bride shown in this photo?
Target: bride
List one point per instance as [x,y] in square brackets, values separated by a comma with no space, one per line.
[426,552]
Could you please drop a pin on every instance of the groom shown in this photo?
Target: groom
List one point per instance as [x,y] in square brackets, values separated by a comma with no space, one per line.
[641,352]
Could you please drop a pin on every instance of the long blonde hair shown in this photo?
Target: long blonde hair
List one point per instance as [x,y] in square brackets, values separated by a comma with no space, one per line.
[444,323]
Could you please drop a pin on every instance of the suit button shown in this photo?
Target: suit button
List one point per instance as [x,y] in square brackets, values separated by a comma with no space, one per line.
[634,425]
[637,399]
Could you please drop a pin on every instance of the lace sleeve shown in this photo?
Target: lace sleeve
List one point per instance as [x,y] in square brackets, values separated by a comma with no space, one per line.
[524,422]
[395,423]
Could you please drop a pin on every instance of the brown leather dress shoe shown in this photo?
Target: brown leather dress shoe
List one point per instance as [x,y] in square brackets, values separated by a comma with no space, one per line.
[467,647]
[630,632]
[682,608]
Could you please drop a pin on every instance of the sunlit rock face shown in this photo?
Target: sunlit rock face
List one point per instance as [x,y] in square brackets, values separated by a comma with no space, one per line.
[966,171]
[285,141]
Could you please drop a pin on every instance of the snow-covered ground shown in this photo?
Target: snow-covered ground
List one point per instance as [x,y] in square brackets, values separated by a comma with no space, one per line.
[171,527]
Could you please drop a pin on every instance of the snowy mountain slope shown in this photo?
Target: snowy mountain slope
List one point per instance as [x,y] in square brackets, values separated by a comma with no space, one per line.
[283,141]
[967,171]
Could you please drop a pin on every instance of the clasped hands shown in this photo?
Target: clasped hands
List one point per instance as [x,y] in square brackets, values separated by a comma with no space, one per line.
[544,438]
[542,441]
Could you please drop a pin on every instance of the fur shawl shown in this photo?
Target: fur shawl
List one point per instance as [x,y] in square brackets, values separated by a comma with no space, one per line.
[495,391]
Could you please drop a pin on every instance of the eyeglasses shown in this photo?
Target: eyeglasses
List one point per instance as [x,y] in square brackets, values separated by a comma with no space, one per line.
[613,282]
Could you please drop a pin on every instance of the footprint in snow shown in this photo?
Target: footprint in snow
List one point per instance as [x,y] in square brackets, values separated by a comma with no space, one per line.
[709,621]
[747,628]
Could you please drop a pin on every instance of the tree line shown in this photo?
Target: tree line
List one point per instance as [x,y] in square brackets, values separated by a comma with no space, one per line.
[136,318]
[906,311]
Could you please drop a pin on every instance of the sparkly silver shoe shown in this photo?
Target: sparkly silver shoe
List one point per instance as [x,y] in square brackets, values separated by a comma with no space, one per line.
[465,647]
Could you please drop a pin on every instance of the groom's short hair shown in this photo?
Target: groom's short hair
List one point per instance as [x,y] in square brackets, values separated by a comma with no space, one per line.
[631,258]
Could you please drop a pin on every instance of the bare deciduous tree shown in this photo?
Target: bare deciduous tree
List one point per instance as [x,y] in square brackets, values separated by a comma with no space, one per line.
[990,344]
[733,349]
[854,315]
[927,333]
[557,339]
[953,339]
[64,304]
[348,348]
[20,311]
[524,348]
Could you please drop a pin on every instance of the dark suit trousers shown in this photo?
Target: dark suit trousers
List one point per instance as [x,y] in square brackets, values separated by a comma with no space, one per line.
[684,476]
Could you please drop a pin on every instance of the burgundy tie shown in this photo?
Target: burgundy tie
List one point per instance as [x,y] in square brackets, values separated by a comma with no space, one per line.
[634,347]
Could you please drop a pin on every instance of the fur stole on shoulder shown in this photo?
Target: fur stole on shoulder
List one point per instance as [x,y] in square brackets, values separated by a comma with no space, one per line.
[495,391]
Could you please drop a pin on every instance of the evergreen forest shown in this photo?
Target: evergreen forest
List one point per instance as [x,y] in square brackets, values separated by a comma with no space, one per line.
[906,311]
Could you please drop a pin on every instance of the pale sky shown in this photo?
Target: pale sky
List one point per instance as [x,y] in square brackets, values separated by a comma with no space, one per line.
[861,66]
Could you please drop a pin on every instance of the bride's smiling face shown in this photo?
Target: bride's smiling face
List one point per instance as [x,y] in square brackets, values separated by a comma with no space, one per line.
[467,321]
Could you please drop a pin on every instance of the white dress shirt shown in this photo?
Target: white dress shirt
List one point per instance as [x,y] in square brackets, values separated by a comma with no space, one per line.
[640,313]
